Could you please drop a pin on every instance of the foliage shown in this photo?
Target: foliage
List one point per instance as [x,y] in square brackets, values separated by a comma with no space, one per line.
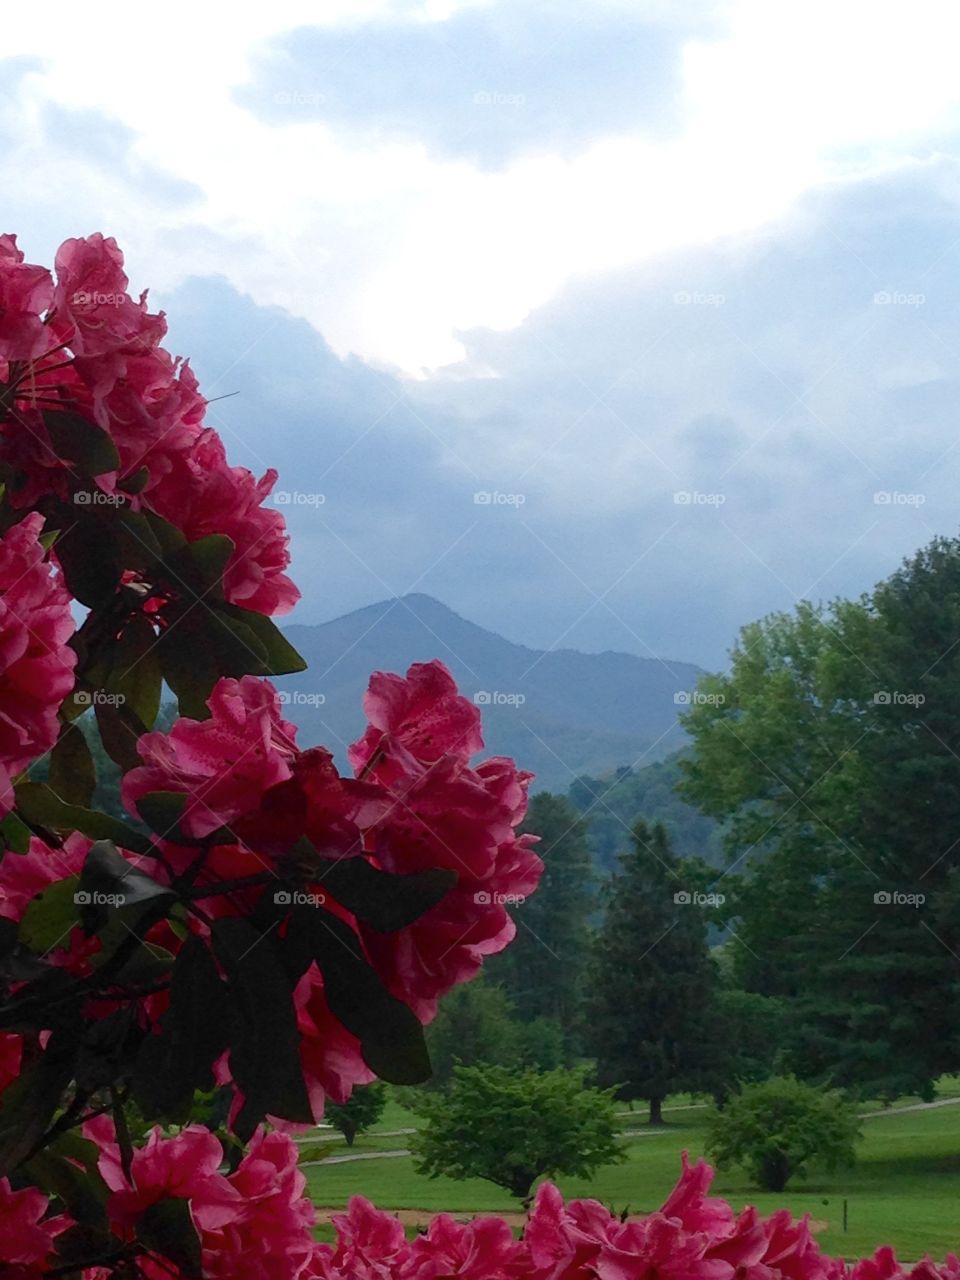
[830,749]
[249,933]
[512,1127]
[610,806]
[543,969]
[361,1111]
[651,982]
[778,1128]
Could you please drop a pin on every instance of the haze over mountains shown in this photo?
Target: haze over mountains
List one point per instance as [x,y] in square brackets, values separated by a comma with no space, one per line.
[558,712]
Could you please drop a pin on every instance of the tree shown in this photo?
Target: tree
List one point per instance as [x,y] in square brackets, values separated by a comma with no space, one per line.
[780,1127]
[360,1112]
[513,1126]
[476,1024]
[830,749]
[543,970]
[651,980]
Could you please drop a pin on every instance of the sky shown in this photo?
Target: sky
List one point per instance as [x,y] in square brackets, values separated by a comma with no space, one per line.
[613,326]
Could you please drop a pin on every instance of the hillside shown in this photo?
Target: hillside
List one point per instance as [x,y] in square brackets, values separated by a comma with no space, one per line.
[558,712]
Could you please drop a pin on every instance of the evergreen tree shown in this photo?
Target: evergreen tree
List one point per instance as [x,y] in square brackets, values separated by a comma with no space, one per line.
[543,969]
[652,982]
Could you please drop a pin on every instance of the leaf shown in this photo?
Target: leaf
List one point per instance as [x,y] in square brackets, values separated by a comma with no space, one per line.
[51,915]
[14,834]
[81,442]
[39,806]
[135,481]
[120,731]
[390,1034]
[83,1192]
[73,775]
[194,1032]
[265,1046]
[88,555]
[168,1228]
[385,901]
[28,1104]
[162,811]
[281,657]
[107,872]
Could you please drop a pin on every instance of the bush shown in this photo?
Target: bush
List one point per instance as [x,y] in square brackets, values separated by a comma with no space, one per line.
[779,1127]
[361,1111]
[511,1127]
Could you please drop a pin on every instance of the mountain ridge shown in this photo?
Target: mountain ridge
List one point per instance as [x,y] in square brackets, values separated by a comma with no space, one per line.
[559,712]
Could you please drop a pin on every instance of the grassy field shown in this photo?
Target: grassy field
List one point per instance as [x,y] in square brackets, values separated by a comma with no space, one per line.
[905,1189]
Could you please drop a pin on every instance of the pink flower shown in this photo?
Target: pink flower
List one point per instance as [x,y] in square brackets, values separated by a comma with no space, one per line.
[26,1234]
[329,1053]
[26,292]
[483,1249]
[36,663]
[202,494]
[11,1057]
[371,1245]
[27,874]
[224,764]
[415,720]
[94,314]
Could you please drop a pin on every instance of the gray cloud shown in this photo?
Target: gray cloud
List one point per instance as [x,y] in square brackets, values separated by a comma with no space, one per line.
[488,83]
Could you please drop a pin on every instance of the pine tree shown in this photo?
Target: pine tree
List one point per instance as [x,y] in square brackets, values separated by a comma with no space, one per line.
[543,969]
[652,981]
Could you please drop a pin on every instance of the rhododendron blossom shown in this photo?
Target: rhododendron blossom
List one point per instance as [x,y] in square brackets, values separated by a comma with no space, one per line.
[36,663]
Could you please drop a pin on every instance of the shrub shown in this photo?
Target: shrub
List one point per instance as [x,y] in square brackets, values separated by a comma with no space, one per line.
[778,1128]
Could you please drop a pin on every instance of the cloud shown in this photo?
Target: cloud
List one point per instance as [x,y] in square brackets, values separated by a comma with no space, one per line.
[488,84]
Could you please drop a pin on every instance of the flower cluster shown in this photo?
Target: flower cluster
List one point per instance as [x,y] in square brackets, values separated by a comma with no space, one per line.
[78,349]
[415,805]
[692,1237]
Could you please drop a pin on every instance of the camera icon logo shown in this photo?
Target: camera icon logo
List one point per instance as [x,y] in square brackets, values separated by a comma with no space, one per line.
[82,898]
[282,898]
[882,898]
[481,698]
[482,898]
[682,898]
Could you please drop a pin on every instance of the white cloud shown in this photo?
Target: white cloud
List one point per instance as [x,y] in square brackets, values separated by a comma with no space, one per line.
[389,251]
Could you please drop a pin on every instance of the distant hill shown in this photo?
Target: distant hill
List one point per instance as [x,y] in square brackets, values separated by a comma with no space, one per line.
[558,712]
[612,805]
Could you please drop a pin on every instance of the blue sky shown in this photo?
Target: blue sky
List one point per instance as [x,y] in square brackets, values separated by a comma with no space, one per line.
[678,292]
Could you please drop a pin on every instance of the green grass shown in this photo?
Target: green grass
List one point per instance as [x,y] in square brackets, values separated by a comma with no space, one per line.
[905,1189]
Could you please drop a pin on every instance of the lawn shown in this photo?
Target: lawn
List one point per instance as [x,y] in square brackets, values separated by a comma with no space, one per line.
[905,1189]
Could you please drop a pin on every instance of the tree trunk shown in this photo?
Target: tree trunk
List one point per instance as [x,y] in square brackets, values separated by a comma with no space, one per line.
[656,1111]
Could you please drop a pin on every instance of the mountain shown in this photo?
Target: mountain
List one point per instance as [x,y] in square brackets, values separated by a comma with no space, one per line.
[558,712]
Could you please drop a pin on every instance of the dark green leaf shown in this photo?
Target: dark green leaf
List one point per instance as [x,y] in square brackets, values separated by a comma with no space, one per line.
[107,872]
[81,442]
[390,1035]
[385,901]
[73,774]
[82,1192]
[40,806]
[195,1030]
[28,1104]
[135,482]
[88,554]
[168,1228]
[51,915]
[281,657]
[265,1049]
